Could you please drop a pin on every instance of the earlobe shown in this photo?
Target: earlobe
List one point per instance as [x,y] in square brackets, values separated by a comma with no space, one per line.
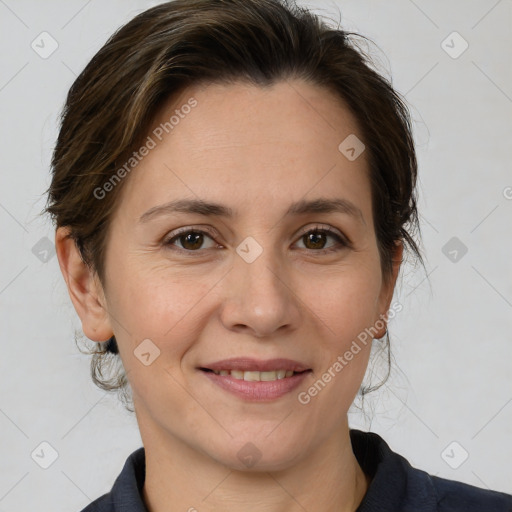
[84,288]
[388,288]
[397,259]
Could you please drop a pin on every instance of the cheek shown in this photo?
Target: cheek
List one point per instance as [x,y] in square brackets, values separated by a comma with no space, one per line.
[170,314]
[149,303]
[345,301]
[157,295]
[346,305]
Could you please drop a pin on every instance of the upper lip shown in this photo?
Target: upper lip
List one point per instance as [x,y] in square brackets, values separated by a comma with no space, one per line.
[258,365]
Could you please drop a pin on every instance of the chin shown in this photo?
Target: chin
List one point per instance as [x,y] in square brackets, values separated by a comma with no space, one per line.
[259,454]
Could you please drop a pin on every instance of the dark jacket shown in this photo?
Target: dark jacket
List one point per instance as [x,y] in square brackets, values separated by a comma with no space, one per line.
[396,486]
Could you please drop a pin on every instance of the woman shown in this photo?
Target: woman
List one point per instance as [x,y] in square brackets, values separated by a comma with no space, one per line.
[233,188]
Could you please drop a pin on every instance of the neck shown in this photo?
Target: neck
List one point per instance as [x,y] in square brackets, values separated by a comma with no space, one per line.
[180,478]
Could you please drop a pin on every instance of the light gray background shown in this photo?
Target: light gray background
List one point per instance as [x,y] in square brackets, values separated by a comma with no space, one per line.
[453,340]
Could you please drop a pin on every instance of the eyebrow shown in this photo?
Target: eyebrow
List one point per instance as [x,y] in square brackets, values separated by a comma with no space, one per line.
[200,207]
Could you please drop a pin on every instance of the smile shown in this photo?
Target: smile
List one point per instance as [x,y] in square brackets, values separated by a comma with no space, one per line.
[255,376]
[256,386]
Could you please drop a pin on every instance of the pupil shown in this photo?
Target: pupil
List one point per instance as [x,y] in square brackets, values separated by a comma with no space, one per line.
[313,237]
[197,236]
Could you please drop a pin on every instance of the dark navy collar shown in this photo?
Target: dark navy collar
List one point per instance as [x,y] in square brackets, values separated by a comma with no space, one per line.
[396,486]
[126,494]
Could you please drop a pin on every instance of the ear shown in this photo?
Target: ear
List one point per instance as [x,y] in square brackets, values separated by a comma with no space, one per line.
[84,288]
[388,287]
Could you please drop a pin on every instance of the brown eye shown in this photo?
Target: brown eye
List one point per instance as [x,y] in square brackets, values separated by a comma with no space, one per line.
[315,240]
[191,240]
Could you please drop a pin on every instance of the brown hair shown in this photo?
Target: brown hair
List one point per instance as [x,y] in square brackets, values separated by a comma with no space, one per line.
[163,50]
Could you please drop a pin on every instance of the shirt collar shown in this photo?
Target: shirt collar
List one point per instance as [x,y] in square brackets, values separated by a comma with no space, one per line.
[126,494]
[395,484]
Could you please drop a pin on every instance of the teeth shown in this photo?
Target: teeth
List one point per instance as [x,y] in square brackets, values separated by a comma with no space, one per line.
[256,376]
[268,375]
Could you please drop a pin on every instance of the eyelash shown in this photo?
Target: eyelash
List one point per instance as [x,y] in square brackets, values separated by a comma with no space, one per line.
[342,242]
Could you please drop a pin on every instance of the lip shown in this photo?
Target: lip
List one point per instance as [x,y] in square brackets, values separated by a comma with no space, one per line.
[247,364]
[257,391]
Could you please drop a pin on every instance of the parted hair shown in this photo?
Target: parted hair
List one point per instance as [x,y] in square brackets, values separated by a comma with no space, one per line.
[161,51]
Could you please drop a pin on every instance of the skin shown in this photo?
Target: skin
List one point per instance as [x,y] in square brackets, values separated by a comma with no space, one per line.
[257,151]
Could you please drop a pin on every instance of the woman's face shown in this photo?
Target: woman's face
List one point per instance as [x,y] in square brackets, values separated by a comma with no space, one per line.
[252,285]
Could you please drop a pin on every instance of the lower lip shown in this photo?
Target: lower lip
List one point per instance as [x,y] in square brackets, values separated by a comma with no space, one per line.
[259,391]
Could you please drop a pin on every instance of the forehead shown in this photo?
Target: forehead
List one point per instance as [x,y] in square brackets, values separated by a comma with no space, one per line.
[291,112]
[239,142]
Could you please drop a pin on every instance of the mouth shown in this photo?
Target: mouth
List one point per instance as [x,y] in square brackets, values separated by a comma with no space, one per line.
[256,376]
[246,368]
[256,380]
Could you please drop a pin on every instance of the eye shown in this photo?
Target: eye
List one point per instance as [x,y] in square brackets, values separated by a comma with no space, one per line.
[315,238]
[192,240]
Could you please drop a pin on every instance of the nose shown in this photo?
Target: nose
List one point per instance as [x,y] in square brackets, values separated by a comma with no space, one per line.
[259,297]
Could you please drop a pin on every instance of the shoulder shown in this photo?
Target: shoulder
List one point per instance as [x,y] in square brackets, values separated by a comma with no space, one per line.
[101,504]
[126,493]
[397,486]
[457,496]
